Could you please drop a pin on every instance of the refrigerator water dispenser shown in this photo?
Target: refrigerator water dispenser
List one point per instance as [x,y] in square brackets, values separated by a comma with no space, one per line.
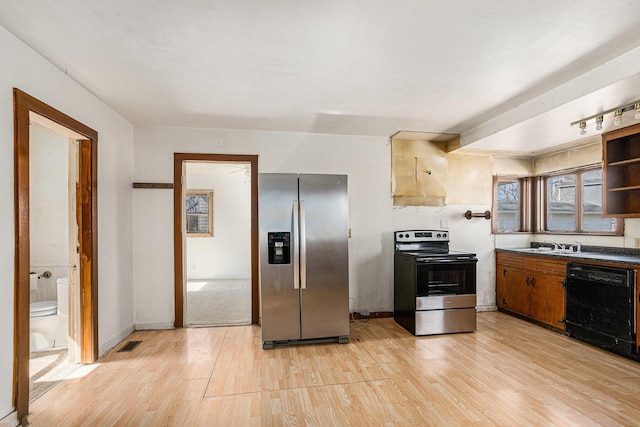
[279,247]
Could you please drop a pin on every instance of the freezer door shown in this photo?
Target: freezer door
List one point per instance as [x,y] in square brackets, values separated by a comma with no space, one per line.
[324,256]
[280,300]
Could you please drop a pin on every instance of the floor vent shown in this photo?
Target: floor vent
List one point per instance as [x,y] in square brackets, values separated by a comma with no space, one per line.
[129,346]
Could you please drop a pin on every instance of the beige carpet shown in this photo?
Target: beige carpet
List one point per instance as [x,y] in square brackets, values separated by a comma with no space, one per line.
[46,369]
[218,302]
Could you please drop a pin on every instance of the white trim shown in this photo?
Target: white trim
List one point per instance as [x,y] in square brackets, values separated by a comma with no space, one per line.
[153,326]
[121,336]
[480,308]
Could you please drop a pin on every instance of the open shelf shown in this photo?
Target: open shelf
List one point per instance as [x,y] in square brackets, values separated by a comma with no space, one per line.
[621,172]
[625,162]
[633,187]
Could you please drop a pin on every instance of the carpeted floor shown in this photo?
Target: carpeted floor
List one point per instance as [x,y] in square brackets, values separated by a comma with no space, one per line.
[218,302]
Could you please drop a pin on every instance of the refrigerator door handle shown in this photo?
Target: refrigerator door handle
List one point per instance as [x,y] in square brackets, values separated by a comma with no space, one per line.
[303,248]
[296,247]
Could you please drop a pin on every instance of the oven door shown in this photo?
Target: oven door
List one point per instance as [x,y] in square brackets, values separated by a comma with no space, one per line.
[446,277]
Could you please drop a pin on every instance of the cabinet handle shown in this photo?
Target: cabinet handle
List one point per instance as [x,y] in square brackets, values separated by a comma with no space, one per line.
[533,282]
[527,280]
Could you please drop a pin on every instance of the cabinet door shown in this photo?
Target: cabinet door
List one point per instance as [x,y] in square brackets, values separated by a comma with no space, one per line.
[501,272]
[517,292]
[547,299]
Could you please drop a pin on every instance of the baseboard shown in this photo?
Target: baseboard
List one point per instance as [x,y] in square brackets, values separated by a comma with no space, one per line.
[106,347]
[372,315]
[480,308]
[153,326]
[10,420]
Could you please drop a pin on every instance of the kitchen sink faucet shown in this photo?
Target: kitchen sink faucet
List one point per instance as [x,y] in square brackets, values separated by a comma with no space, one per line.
[578,247]
[556,246]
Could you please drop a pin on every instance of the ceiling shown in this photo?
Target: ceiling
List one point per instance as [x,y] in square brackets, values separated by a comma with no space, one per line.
[508,76]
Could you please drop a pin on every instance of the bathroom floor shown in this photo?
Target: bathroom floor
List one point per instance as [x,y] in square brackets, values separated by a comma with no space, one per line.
[47,368]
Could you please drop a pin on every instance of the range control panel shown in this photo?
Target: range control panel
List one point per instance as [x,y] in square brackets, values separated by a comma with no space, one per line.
[410,236]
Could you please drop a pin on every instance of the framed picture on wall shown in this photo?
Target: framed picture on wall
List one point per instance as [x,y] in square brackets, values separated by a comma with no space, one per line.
[199,213]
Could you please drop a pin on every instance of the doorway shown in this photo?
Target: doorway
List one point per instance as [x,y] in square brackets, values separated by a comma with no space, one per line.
[214,286]
[54,332]
[26,108]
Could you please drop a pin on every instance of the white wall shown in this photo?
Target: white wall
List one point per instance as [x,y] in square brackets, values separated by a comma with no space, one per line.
[226,255]
[28,71]
[372,217]
[48,208]
[48,195]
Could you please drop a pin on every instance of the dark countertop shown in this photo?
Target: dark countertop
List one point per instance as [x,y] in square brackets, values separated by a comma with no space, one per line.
[604,254]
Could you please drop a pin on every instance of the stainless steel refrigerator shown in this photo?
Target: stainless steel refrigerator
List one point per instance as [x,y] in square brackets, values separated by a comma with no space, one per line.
[304,265]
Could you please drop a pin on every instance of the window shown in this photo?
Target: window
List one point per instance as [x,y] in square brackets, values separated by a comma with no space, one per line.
[199,213]
[509,195]
[592,203]
[567,202]
[573,204]
[511,211]
[561,203]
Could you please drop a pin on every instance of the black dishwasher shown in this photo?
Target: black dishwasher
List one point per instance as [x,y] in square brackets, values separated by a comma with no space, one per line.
[600,306]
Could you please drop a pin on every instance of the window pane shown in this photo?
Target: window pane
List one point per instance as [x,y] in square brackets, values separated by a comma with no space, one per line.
[198,203]
[192,224]
[561,203]
[509,194]
[199,213]
[592,203]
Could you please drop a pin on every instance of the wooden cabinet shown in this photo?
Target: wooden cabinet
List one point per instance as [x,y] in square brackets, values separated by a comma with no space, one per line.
[531,286]
[548,298]
[621,172]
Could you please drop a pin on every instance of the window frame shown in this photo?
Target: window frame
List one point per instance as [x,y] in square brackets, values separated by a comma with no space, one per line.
[533,204]
[199,193]
[542,228]
[526,217]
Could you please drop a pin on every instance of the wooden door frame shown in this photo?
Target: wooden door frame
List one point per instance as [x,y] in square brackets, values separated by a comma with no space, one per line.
[178,161]
[87,213]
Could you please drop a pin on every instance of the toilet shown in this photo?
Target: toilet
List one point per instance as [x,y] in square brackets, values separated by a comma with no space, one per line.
[49,320]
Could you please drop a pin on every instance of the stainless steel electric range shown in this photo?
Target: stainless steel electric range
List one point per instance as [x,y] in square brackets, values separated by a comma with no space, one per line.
[434,288]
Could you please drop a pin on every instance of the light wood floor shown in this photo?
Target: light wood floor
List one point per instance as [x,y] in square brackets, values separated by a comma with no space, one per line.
[509,373]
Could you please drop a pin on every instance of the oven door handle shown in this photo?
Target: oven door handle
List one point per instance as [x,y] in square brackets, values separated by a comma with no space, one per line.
[449,261]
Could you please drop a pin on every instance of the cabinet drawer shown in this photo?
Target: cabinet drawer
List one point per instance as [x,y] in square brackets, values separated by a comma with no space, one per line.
[546,265]
[507,260]
[534,263]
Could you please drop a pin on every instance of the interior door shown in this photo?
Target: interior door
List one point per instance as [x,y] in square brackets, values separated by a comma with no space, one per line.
[88,277]
[75,318]
[324,233]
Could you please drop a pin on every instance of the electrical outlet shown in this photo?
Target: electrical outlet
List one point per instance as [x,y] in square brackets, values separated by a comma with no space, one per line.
[637,242]
[444,223]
